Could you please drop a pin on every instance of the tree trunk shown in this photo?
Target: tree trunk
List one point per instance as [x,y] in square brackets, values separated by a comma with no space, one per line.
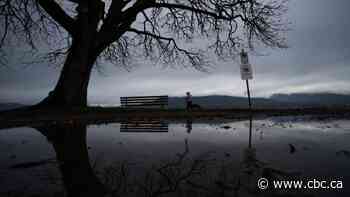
[71,88]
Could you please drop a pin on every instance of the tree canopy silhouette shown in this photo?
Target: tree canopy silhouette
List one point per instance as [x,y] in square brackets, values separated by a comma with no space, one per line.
[84,32]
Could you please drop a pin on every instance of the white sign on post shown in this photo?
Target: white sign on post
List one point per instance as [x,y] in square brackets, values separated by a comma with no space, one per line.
[246,68]
[246,72]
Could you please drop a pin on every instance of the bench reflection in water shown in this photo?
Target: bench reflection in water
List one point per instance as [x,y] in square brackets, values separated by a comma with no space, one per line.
[144,126]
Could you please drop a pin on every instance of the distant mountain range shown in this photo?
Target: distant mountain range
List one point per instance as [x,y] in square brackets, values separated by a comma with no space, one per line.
[219,102]
[274,101]
[324,99]
[8,106]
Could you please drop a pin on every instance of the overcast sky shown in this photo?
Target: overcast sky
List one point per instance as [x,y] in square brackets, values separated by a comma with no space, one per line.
[317,60]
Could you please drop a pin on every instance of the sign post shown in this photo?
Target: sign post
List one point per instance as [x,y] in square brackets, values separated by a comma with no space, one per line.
[246,73]
[250,103]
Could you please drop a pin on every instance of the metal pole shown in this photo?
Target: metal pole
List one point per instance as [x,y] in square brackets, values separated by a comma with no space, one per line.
[250,104]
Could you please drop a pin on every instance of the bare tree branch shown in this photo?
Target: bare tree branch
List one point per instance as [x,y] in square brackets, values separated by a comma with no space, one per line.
[58,14]
[168,49]
[216,15]
[227,25]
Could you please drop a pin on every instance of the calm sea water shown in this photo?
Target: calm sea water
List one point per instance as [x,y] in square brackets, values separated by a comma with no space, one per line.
[190,158]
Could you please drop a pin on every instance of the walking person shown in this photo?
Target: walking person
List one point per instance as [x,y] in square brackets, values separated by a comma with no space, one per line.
[188,101]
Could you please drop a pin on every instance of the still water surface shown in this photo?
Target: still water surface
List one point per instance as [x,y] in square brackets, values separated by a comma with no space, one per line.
[161,158]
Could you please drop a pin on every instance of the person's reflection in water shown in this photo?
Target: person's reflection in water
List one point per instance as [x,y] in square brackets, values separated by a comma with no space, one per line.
[189,125]
[69,142]
[261,135]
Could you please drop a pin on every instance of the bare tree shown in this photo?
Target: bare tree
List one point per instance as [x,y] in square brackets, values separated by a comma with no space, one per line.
[116,30]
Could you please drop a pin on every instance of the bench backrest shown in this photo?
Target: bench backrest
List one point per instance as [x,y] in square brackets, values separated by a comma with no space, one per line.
[142,101]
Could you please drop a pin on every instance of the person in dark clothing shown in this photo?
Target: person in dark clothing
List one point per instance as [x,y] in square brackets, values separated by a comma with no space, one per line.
[188,101]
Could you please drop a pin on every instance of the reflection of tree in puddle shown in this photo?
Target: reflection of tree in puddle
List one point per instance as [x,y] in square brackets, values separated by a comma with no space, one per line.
[186,175]
[69,142]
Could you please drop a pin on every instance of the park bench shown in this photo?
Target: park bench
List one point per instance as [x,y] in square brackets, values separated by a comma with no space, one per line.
[144,101]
